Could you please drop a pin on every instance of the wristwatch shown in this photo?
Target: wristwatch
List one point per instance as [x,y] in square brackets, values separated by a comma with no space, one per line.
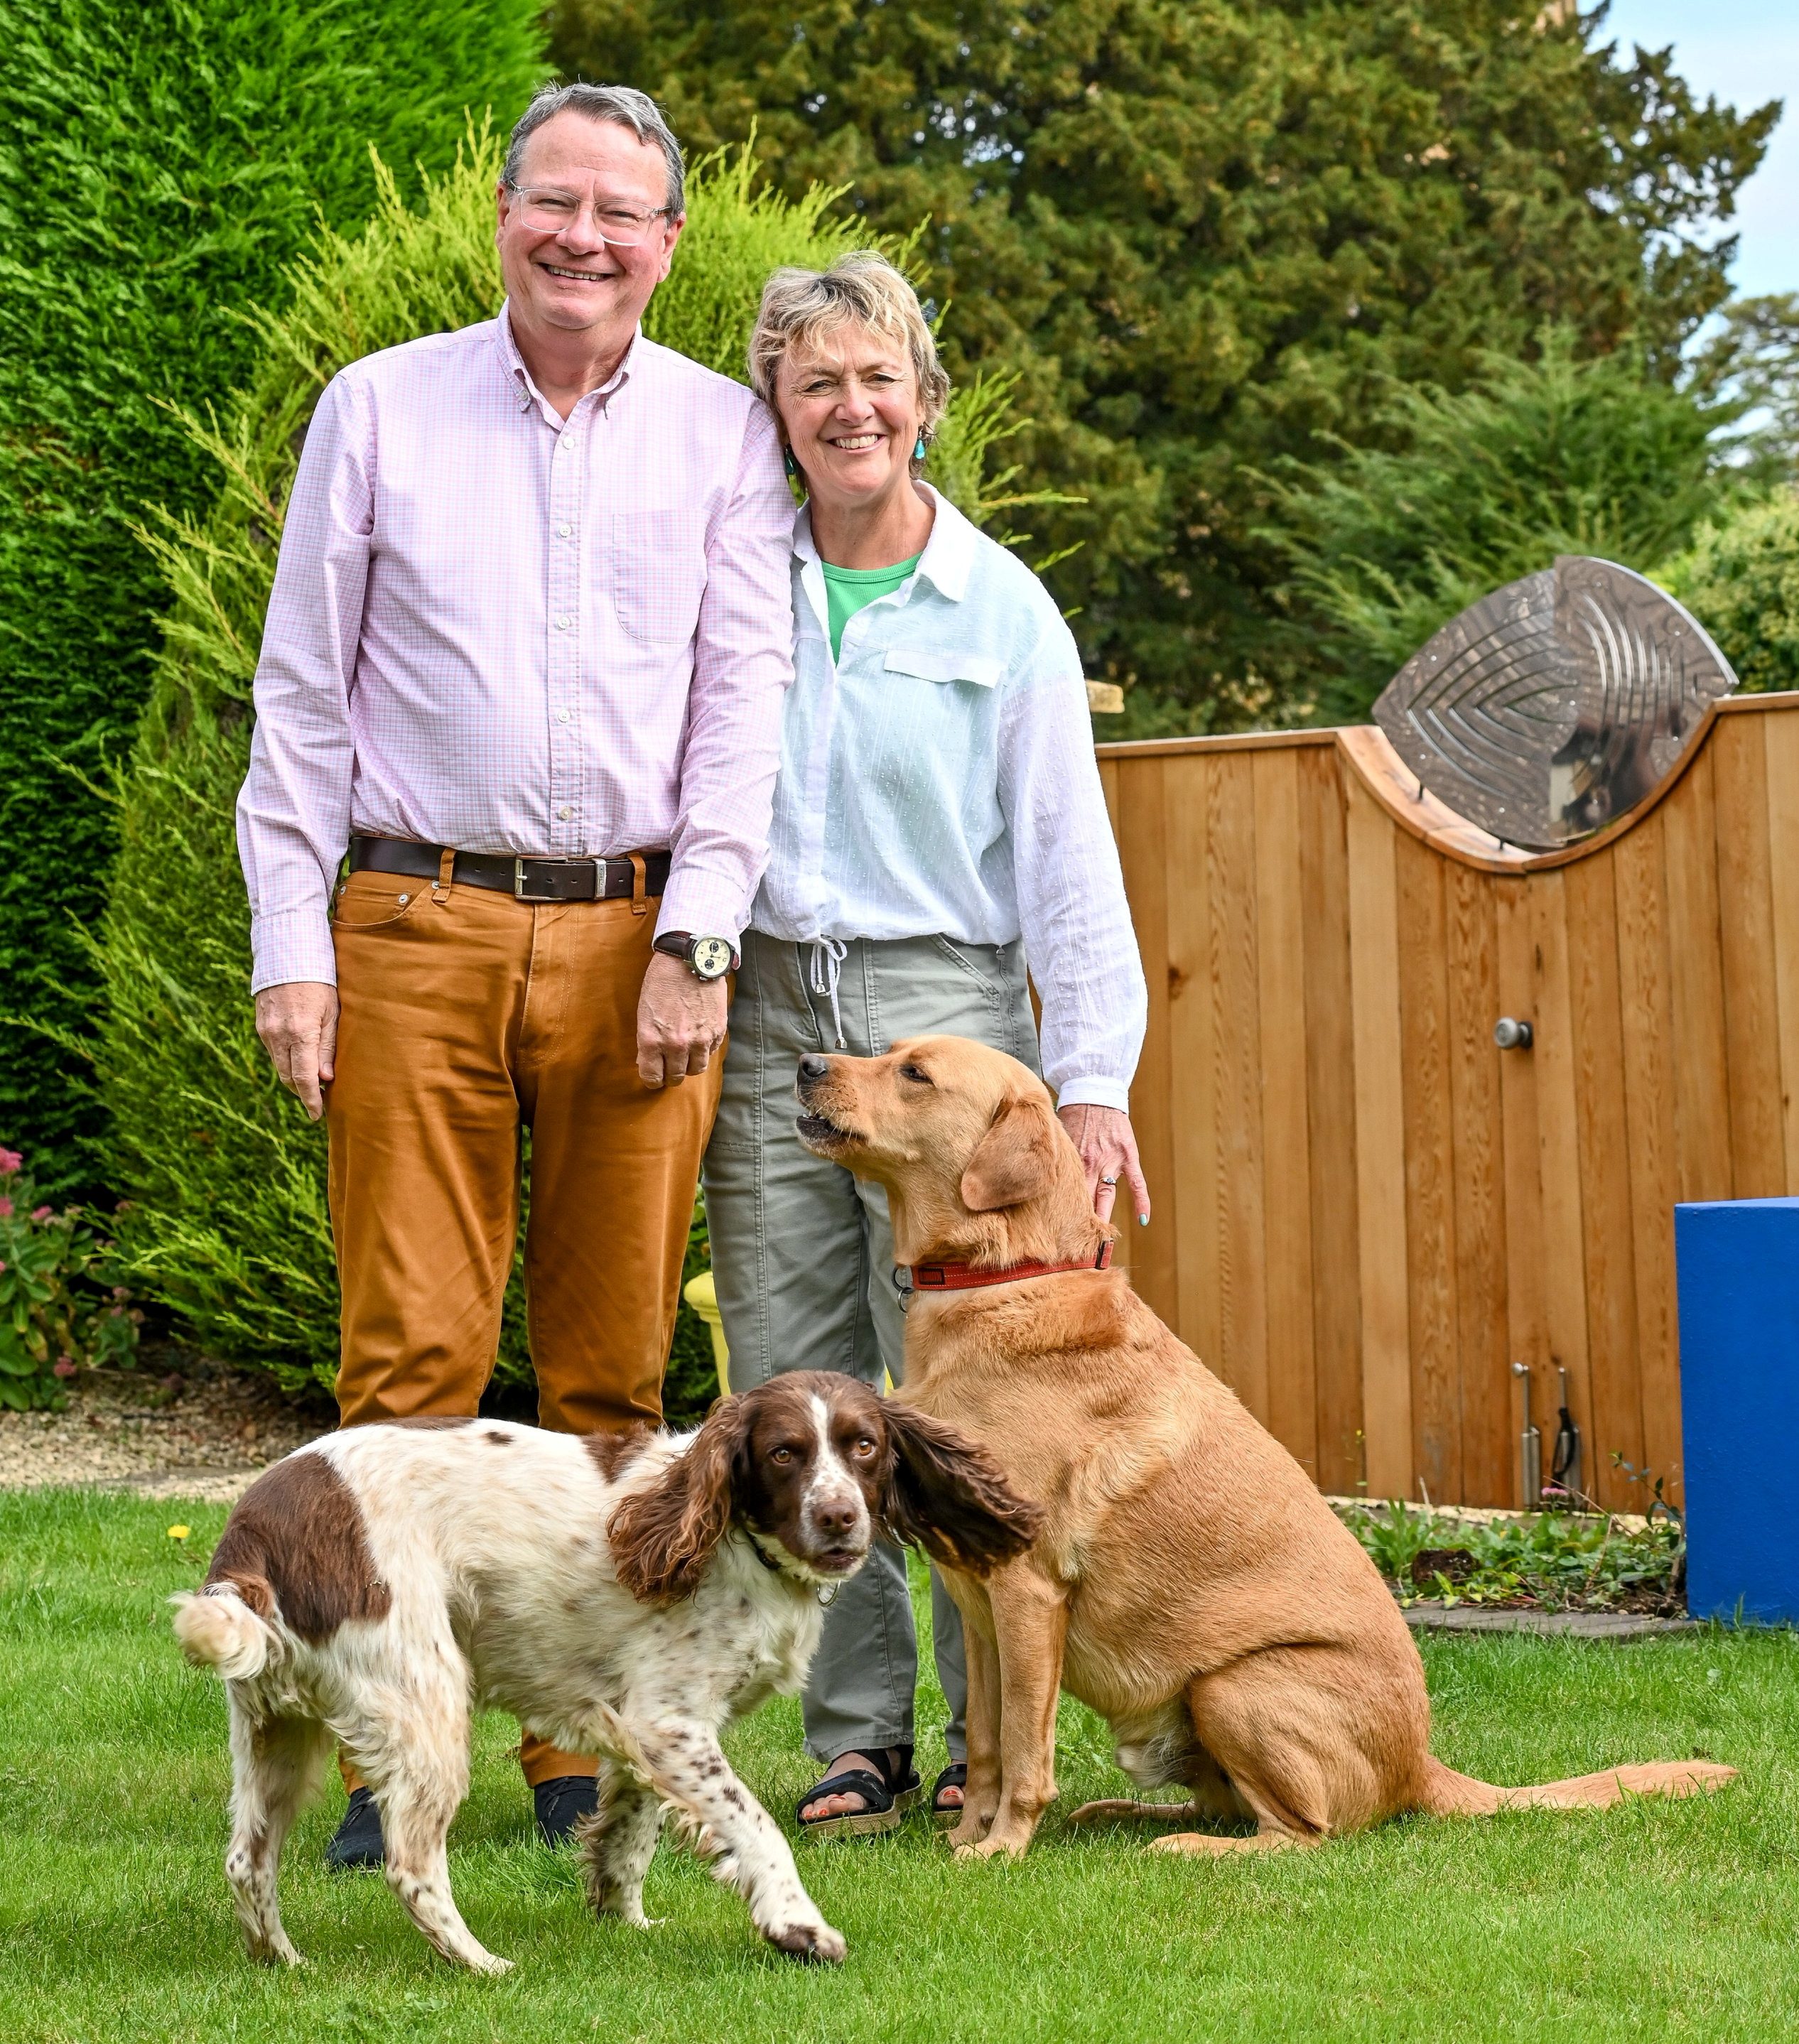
[707,958]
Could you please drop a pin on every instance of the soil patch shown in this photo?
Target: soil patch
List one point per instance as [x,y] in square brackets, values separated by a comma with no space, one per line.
[177,1427]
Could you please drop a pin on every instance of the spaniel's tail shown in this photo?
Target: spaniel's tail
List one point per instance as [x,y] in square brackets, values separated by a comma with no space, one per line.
[1448,1794]
[217,1629]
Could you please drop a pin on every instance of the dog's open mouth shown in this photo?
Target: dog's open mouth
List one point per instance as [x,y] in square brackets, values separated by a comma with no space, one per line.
[838,1561]
[817,1132]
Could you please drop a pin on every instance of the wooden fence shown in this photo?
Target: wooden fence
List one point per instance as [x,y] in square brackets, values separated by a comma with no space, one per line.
[1365,1211]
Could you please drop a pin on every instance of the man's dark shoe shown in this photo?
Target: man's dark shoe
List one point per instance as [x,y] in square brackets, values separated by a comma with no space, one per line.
[356,1844]
[561,1805]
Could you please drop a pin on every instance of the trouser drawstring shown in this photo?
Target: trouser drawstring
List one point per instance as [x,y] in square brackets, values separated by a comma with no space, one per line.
[827,956]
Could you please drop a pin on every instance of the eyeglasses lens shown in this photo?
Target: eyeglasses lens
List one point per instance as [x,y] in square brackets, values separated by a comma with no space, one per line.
[546,210]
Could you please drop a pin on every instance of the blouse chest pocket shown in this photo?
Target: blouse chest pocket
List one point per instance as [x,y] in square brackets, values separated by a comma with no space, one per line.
[930,664]
[656,566]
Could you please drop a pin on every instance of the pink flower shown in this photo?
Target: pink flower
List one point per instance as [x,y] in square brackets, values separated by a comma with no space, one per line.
[42,1213]
[64,1369]
[5,1208]
[10,1161]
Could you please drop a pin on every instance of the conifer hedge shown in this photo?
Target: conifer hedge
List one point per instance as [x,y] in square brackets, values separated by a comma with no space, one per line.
[159,166]
[1741,581]
[226,1222]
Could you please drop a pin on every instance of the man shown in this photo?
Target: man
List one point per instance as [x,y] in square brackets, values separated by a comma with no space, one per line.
[523,659]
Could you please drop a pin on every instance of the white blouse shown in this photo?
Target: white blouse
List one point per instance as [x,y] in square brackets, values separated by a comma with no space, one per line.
[939,779]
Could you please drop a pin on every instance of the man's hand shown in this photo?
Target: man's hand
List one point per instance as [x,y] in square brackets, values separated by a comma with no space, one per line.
[680,1022]
[298,1023]
[1107,1144]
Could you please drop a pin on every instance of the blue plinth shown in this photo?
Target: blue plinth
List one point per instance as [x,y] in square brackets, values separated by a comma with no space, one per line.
[1738,1263]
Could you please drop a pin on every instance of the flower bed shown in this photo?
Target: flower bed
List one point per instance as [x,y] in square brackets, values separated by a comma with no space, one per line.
[1545,1561]
[60,1310]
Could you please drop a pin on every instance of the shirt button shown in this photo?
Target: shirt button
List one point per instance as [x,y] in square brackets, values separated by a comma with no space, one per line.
[564,812]
[562,624]
[565,528]
[562,717]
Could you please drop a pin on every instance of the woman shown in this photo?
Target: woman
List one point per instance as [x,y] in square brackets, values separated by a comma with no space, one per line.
[938,821]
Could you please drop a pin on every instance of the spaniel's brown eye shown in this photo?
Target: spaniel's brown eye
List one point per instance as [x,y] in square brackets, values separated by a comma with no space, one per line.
[917,1075]
[780,1454]
[864,1447]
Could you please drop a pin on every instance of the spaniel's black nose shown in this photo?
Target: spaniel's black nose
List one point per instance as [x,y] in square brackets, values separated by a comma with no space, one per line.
[812,1068]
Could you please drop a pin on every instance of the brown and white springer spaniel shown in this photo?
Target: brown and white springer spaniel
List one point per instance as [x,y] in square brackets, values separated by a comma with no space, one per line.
[627,1595]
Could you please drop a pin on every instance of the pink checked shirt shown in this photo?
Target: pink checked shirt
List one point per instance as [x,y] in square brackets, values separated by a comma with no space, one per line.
[497,631]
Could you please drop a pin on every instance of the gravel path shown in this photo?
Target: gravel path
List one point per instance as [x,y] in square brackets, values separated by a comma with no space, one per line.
[203,1433]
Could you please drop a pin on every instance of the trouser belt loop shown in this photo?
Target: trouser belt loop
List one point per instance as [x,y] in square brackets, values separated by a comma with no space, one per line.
[446,877]
[639,874]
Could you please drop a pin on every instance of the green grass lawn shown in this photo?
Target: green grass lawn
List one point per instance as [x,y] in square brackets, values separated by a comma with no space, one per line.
[1652,1921]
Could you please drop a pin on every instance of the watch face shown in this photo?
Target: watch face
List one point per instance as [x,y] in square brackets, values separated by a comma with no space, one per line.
[711,956]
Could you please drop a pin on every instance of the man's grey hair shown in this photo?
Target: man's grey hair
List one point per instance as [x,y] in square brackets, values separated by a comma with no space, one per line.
[625,107]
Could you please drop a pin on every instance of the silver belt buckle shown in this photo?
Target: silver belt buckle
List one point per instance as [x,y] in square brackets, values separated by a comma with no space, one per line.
[519,865]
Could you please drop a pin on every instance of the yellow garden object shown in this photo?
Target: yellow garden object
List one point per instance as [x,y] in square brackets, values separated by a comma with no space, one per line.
[702,1294]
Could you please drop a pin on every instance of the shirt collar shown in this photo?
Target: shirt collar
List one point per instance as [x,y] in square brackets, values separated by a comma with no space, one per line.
[527,389]
[948,559]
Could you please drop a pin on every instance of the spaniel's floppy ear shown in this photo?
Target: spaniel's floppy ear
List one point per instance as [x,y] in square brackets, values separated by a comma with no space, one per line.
[662,1537]
[1015,1160]
[947,1494]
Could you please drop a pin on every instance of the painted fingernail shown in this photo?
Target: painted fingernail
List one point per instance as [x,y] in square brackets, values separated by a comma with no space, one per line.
[1142,1221]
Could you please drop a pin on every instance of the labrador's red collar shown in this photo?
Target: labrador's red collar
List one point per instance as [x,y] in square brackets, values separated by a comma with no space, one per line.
[966,1278]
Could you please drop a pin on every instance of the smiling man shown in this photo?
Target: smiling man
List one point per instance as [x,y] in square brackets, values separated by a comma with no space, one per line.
[524,663]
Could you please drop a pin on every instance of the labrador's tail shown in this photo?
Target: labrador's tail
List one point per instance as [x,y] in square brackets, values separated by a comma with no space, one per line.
[1448,1794]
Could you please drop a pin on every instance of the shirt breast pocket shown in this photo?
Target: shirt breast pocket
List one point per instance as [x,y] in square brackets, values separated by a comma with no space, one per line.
[934,663]
[656,566]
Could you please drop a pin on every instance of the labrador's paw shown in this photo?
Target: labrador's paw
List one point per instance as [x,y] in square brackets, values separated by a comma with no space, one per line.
[994,1848]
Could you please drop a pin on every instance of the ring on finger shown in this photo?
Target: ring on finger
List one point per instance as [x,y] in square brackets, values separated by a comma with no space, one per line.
[1105,1181]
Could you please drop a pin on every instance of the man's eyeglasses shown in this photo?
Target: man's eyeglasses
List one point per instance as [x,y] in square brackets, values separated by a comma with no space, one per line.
[549,209]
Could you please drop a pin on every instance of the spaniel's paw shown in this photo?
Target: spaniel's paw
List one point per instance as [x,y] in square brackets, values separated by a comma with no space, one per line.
[815,1944]
[275,1952]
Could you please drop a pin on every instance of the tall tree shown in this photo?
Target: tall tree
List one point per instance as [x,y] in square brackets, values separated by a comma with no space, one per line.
[159,167]
[1210,234]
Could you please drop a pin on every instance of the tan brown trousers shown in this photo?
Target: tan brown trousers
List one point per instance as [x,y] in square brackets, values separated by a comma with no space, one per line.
[465,1015]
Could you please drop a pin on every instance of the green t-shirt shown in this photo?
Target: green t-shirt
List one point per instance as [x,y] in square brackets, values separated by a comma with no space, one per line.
[847,590]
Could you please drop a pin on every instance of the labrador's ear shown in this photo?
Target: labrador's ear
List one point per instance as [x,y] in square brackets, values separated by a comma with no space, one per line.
[1015,1160]
[947,1494]
[662,1537]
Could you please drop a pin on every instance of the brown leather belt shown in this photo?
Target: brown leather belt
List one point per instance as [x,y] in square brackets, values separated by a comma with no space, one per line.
[525,879]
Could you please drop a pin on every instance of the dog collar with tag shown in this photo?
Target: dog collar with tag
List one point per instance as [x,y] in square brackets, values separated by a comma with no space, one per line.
[966,1278]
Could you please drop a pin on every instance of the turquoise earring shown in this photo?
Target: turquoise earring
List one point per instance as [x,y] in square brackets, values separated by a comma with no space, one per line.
[793,467]
[918,452]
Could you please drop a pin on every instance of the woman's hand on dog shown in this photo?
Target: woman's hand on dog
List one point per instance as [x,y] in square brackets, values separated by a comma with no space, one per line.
[1107,1144]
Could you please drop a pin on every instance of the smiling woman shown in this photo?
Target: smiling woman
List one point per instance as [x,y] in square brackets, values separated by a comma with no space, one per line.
[938,821]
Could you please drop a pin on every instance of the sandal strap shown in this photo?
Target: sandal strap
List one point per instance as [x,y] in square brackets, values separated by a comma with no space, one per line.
[900,1775]
[955,1776]
[857,1780]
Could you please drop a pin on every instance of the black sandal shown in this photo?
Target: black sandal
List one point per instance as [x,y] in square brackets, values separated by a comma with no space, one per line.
[889,1795]
[956,1776]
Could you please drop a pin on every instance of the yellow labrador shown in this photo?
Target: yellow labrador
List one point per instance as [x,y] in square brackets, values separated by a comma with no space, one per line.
[1189,1583]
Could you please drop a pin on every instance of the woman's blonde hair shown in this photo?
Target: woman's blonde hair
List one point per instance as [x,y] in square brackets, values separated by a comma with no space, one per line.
[862,288]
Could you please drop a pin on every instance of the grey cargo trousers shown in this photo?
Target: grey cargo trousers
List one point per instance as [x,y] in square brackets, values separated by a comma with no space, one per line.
[802,1254]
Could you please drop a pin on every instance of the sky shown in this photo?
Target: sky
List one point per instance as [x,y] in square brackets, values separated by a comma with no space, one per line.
[1744,53]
